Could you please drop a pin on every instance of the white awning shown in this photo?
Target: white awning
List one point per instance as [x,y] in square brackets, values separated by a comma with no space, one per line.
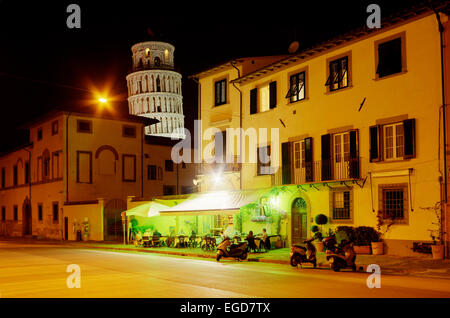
[217,202]
[147,209]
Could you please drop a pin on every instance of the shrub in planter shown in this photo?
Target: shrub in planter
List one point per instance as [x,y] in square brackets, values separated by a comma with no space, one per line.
[364,236]
[345,233]
[321,219]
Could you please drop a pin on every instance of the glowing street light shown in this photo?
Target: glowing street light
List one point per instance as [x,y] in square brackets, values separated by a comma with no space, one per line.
[102,100]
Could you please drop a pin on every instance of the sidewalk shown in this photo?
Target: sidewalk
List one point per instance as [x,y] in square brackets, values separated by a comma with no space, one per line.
[421,266]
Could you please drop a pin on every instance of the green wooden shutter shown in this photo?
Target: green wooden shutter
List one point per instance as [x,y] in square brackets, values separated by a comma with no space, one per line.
[309,171]
[409,130]
[253,101]
[354,157]
[273,94]
[286,162]
[326,157]
[375,153]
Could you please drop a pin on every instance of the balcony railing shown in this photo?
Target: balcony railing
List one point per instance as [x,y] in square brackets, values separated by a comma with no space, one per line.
[339,169]
[230,166]
[153,67]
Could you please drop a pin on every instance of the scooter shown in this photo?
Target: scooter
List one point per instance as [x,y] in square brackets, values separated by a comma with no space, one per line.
[340,256]
[299,254]
[227,249]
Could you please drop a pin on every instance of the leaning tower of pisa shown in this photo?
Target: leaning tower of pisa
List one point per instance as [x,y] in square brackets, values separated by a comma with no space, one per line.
[154,89]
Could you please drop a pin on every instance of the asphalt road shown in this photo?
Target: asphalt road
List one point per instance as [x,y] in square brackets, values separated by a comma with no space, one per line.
[41,271]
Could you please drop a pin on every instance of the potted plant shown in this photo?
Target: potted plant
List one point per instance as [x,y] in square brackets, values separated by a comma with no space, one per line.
[437,235]
[345,233]
[364,235]
[320,220]
[383,225]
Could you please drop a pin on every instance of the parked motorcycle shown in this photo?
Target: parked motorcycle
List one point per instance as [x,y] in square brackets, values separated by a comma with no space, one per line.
[300,254]
[228,249]
[340,255]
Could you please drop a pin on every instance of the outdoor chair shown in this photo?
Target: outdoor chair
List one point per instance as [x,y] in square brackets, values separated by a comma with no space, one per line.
[198,241]
[155,241]
[145,241]
[252,244]
[192,241]
[180,242]
[208,244]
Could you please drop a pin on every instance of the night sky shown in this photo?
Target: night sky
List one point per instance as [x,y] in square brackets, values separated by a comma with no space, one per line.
[40,56]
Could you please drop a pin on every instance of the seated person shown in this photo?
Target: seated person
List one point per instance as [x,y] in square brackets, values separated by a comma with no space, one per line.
[156,233]
[265,239]
[138,238]
[251,241]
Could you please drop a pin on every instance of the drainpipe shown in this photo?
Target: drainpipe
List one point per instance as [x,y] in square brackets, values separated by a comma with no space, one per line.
[199,117]
[240,123]
[29,176]
[142,159]
[441,31]
[67,157]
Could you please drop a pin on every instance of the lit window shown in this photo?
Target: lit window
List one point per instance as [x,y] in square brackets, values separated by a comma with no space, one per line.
[147,52]
[297,87]
[166,55]
[338,77]
[393,141]
[220,92]
[264,95]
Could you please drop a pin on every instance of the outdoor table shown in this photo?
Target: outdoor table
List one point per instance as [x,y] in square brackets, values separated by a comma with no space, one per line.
[273,239]
[180,240]
[258,242]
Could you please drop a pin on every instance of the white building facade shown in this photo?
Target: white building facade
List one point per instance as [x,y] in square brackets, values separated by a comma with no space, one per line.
[154,89]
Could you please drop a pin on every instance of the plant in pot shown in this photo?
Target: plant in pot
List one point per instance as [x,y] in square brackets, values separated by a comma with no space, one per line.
[437,234]
[345,233]
[364,235]
[383,224]
[320,220]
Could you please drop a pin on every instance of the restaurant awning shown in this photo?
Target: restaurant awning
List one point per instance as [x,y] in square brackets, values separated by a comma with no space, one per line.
[216,202]
[147,209]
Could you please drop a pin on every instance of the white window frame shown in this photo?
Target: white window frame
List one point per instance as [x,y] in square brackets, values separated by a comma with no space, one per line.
[395,154]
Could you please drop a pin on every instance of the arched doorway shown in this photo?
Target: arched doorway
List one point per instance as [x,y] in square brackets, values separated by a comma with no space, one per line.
[113,230]
[299,222]
[27,223]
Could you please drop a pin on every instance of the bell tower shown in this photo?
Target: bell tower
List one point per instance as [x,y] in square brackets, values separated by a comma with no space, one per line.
[154,89]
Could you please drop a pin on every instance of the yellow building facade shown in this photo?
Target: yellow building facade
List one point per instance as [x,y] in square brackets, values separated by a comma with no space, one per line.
[78,169]
[357,129]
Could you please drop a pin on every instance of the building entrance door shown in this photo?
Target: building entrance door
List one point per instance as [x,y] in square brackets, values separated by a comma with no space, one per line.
[113,229]
[27,218]
[299,222]
[66,228]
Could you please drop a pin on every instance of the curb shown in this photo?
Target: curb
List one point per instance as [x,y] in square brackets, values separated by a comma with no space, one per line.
[388,271]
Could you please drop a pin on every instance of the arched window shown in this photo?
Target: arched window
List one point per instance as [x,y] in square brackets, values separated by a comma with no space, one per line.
[157,61]
[158,84]
[106,157]
[46,165]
